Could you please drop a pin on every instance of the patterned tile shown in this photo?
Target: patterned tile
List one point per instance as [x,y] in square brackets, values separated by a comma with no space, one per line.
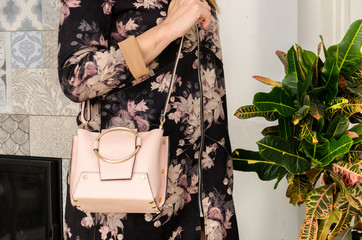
[20,15]
[5,74]
[14,134]
[51,136]
[50,49]
[37,91]
[50,9]
[27,49]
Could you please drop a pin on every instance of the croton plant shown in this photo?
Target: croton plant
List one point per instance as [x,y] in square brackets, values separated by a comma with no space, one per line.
[317,141]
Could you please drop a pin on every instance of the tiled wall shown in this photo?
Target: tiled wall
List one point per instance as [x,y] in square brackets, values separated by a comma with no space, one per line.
[35,117]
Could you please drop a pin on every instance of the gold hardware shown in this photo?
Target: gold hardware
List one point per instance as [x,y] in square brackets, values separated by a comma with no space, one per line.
[75,200]
[151,202]
[85,177]
[143,177]
[162,171]
[96,150]
[157,211]
[160,199]
[154,206]
[164,141]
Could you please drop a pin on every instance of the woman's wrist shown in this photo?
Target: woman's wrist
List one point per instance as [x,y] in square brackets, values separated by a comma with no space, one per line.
[155,40]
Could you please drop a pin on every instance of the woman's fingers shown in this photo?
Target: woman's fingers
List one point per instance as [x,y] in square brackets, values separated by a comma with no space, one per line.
[184,14]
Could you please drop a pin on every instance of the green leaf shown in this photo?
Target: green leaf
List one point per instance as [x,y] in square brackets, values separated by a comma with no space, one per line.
[337,148]
[337,127]
[294,75]
[348,51]
[315,151]
[319,206]
[250,111]
[300,114]
[356,130]
[249,161]
[303,86]
[284,128]
[330,76]
[309,59]
[276,100]
[283,153]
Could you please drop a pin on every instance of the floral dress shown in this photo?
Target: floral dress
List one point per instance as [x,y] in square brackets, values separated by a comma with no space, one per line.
[93,67]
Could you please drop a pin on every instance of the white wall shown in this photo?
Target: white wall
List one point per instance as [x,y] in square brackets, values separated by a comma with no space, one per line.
[251,32]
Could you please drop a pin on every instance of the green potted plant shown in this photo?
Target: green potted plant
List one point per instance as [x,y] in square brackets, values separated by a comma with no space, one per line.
[317,141]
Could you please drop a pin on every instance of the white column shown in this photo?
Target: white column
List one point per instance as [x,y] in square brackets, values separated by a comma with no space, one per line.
[251,32]
[309,24]
[335,20]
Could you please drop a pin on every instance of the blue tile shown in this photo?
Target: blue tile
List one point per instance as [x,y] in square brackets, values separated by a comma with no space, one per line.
[21,15]
[27,49]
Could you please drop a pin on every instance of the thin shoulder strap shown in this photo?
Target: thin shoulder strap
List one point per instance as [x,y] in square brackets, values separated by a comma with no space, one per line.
[163,112]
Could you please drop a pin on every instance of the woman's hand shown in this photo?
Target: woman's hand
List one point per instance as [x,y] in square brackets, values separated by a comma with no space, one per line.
[181,17]
[184,14]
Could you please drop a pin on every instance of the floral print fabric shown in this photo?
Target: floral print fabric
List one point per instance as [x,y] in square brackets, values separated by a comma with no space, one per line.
[91,66]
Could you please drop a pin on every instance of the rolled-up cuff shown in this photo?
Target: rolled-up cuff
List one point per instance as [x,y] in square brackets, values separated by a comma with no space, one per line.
[132,54]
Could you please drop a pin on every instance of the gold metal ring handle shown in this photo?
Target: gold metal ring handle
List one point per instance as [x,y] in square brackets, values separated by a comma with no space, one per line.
[96,150]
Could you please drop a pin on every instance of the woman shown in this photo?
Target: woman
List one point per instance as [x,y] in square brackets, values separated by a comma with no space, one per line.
[119,54]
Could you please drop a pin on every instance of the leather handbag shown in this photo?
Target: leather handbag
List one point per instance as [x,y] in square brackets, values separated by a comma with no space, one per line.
[120,170]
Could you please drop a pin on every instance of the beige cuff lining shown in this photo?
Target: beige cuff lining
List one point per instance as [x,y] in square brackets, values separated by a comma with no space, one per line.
[132,54]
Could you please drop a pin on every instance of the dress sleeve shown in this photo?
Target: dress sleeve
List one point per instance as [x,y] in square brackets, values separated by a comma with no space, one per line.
[87,66]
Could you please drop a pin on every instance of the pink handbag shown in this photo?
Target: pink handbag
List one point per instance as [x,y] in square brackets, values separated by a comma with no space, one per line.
[120,170]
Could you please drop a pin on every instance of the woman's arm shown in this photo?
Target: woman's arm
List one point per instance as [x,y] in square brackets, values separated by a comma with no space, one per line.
[182,15]
[88,68]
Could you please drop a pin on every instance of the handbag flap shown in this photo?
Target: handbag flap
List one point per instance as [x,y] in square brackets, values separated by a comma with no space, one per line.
[117,145]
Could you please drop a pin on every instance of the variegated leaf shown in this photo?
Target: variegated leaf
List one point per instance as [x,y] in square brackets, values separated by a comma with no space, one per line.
[283,58]
[347,212]
[319,206]
[335,105]
[355,80]
[349,173]
[353,106]
[354,153]
[317,110]
[306,131]
[272,130]
[302,187]
[250,111]
[268,81]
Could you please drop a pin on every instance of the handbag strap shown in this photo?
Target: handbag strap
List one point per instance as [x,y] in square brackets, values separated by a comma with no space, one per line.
[170,88]
[163,112]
